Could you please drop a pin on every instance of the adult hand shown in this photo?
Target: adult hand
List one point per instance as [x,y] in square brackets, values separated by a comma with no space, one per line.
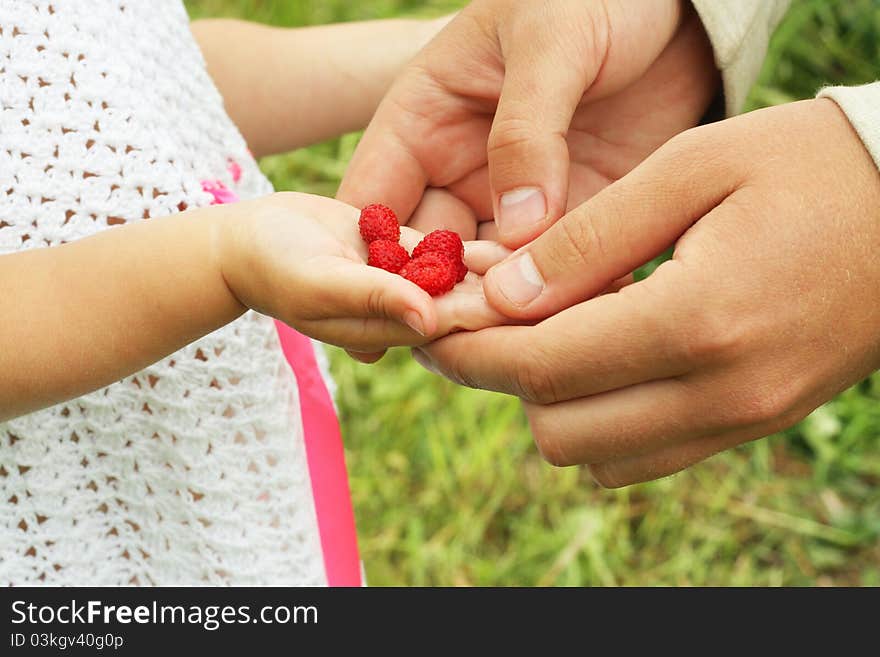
[569,95]
[769,306]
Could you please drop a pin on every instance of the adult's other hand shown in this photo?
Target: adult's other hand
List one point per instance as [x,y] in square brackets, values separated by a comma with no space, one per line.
[769,306]
[519,110]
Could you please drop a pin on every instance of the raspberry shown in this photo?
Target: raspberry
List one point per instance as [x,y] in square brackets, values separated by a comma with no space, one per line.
[443,241]
[436,273]
[387,255]
[437,263]
[378,222]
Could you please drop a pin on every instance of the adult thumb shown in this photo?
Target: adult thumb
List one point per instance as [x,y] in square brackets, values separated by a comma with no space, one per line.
[545,78]
[619,229]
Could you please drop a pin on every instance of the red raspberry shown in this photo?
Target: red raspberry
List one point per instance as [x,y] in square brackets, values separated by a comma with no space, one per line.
[442,241]
[387,255]
[462,272]
[378,222]
[435,273]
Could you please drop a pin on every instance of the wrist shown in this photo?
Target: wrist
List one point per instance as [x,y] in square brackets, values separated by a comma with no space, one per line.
[224,227]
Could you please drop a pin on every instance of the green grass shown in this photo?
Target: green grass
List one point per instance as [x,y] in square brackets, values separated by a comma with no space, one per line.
[449,490]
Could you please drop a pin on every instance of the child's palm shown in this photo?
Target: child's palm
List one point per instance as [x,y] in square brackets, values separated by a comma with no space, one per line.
[301,259]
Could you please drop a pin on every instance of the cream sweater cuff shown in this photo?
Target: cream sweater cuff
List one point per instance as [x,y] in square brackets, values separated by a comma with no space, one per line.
[739,31]
[862,106]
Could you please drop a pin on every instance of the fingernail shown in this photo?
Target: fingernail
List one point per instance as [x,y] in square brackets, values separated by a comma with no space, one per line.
[519,280]
[521,208]
[422,359]
[415,322]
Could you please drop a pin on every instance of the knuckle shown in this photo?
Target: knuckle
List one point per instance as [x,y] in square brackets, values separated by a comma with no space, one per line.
[788,419]
[583,241]
[510,133]
[699,153]
[597,32]
[681,146]
[534,381]
[542,423]
[771,407]
[684,142]
[455,369]
[374,302]
[552,448]
[713,337]
[548,434]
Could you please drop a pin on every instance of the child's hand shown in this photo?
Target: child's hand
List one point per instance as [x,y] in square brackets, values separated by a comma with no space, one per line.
[301,259]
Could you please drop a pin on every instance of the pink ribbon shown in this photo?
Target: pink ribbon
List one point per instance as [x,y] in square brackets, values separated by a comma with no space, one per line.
[326,460]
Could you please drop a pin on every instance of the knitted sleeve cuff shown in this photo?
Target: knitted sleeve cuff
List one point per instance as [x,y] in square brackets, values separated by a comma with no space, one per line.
[739,32]
[862,106]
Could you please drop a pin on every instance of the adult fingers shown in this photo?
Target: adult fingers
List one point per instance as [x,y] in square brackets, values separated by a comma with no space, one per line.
[555,55]
[619,229]
[621,423]
[474,190]
[487,230]
[667,460]
[440,210]
[545,78]
[640,334]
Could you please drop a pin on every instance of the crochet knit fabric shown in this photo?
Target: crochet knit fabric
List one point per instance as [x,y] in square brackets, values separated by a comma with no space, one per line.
[192,471]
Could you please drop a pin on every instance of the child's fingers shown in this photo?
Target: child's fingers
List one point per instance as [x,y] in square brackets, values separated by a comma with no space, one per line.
[366,310]
[348,289]
[466,309]
[463,309]
[364,337]
[367,358]
[481,255]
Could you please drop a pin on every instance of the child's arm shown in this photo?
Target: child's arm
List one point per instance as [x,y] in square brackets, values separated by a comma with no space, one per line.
[286,88]
[80,316]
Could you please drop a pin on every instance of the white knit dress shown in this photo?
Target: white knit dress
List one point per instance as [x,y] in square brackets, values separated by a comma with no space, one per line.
[194,470]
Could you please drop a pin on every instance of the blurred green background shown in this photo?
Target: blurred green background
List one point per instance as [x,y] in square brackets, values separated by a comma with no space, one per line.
[449,490]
